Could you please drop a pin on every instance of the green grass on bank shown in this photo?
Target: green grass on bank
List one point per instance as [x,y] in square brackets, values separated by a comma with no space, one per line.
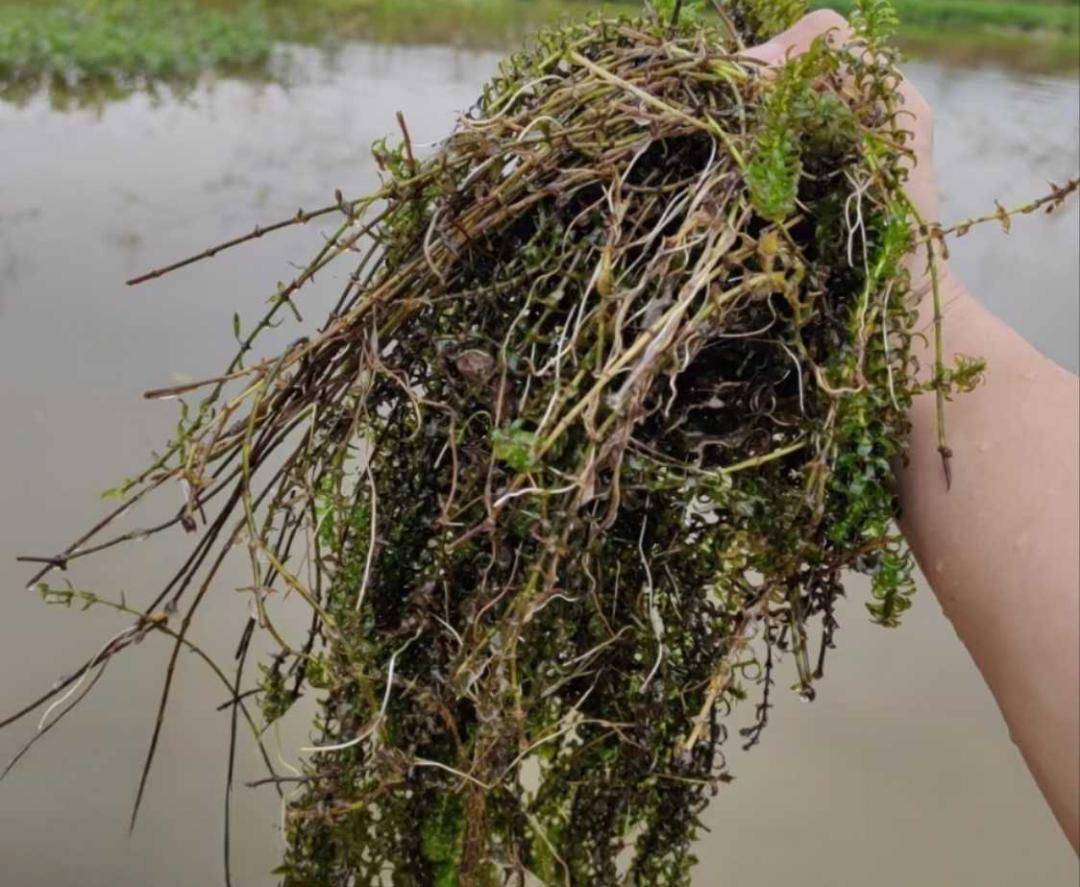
[1042,36]
[121,39]
[1059,17]
[489,24]
[120,44]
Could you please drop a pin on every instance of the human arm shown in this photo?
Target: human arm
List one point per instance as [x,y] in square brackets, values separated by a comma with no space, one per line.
[1000,547]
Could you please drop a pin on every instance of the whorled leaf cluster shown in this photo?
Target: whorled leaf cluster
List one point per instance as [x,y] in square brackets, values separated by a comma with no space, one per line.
[609,407]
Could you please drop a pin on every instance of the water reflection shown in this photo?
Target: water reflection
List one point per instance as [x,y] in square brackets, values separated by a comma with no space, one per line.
[900,773]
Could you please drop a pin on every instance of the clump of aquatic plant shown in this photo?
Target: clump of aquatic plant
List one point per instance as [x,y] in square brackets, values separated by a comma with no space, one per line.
[607,410]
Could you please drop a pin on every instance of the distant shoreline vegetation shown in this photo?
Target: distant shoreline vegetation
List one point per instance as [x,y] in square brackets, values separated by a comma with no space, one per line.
[114,46]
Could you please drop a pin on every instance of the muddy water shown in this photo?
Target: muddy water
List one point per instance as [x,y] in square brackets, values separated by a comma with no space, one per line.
[901,773]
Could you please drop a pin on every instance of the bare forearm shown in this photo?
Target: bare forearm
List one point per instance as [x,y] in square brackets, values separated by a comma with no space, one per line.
[1000,547]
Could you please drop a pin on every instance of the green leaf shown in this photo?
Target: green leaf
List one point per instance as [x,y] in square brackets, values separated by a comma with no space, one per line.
[515,446]
[773,176]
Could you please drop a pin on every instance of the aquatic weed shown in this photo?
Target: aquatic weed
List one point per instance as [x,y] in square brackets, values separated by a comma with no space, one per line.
[608,410]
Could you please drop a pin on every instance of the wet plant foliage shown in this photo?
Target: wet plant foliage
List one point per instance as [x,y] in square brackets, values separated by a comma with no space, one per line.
[609,408]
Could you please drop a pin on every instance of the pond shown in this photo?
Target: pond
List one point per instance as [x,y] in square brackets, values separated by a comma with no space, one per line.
[901,773]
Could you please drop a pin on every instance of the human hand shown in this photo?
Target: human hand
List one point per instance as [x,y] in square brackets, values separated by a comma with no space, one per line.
[999,549]
[918,119]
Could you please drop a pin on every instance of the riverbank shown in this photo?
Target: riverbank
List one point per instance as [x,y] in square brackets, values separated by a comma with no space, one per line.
[1041,36]
[106,47]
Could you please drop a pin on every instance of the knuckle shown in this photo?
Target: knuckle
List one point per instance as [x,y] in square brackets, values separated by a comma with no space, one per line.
[826,19]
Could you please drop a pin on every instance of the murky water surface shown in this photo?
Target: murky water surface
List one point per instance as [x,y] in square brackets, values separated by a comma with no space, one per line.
[901,773]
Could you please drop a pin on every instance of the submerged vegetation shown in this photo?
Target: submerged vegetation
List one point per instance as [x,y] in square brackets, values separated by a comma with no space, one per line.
[608,409]
[109,47]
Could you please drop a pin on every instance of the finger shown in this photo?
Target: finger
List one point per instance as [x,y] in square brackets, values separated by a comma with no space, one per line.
[798,38]
[920,117]
[835,28]
[916,115]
